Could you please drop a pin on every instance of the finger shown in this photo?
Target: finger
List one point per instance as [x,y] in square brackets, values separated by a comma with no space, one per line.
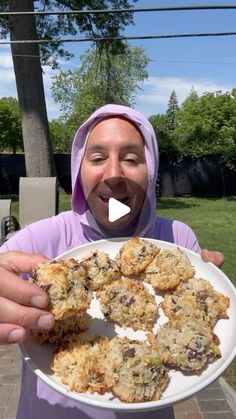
[11,333]
[218,259]
[20,262]
[27,317]
[14,288]
[212,256]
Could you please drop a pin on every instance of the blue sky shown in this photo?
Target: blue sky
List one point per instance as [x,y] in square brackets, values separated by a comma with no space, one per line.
[205,64]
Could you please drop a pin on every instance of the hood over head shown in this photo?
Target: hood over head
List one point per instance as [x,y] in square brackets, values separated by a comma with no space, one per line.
[145,227]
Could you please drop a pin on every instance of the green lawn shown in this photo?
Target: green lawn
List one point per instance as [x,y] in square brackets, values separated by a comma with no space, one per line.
[214,222]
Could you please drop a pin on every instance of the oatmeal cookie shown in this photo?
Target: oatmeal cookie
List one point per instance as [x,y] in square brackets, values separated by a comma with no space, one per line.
[80,365]
[167,269]
[128,303]
[198,299]
[135,255]
[134,370]
[187,344]
[101,269]
[66,283]
[63,330]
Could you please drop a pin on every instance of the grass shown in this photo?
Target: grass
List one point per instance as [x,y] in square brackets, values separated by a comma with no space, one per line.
[213,221]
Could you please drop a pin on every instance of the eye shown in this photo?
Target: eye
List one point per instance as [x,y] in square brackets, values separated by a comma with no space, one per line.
[97,159]
[132,159]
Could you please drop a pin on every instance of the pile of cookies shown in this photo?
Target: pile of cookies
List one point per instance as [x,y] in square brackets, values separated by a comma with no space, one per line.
[126,288]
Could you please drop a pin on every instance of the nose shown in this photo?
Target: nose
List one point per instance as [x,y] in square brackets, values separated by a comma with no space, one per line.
[113,170]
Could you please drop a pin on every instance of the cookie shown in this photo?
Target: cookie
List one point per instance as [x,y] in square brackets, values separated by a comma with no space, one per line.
[198,299]
[187,344]
[101,269]
[66,283]
[63,330]
[168,269]
[80,365]
[134,370]
[135,255]
[128,303]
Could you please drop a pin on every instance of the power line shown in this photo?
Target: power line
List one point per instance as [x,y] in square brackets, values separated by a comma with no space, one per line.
[115,38]
[125,10]
[193,62]
[153,60]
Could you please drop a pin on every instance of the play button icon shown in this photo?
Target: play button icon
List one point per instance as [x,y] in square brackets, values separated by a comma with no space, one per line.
[116,210]
[116,206]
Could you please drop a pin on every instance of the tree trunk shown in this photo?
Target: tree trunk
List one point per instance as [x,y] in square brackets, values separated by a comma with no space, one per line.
[39,158]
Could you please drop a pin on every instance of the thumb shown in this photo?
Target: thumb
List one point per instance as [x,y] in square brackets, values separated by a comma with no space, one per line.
[19,262]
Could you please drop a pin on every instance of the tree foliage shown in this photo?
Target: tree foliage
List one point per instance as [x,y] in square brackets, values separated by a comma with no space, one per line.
[99,80]
[56,26]
[203,125]
[62,134]
[29,57]
[171,112]
[10,125]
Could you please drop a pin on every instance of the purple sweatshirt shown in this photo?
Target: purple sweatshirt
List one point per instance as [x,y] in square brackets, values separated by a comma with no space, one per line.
[58,234]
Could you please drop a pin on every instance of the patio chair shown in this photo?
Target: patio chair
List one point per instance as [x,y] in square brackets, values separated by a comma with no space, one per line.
[5,207]
[38,199]
[8,223]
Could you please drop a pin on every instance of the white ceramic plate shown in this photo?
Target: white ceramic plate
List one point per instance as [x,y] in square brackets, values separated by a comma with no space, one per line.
[181,386]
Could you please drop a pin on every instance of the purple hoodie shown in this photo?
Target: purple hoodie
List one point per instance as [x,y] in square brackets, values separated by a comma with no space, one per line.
[58,234]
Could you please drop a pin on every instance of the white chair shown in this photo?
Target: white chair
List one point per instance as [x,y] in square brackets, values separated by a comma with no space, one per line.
[38,199]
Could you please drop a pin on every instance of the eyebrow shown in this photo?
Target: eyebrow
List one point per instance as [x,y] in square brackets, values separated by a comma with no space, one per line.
[129,146]
[95,147]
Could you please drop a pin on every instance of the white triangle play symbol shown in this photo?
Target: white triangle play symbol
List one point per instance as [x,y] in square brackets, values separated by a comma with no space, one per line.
[116,209]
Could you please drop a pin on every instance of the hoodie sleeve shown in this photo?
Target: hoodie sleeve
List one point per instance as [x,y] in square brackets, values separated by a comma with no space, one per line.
[176,232]
[50,237]
[184,236]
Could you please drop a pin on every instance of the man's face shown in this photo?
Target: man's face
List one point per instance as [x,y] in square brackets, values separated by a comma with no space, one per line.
[114,166]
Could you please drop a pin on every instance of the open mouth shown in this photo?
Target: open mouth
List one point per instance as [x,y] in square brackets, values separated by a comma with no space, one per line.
[106,198]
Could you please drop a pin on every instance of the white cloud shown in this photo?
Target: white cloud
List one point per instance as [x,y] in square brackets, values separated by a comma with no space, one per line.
[156,91]
[8,84]
[53,108]
[152,99]
[6,61]
[7,77]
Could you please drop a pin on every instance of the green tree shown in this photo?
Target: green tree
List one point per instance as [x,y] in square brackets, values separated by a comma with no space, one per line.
[62,135]
[204,124]
[171,112]
[28,58]
[166,141]
[207,124]
[83,90]
[10,125]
